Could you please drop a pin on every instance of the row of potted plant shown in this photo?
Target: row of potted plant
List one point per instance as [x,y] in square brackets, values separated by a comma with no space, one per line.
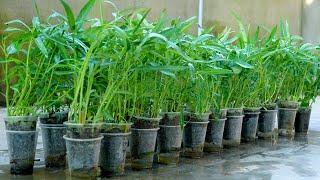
[96,85]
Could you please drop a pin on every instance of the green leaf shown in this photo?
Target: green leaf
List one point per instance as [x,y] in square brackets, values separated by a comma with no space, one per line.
[41,46]
[69,13]
[84,13]
[244,64]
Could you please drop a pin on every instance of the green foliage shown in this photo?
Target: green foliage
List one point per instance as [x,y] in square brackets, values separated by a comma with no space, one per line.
[114,70]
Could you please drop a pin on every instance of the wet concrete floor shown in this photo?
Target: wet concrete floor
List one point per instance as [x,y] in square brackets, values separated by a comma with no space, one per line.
[295,158]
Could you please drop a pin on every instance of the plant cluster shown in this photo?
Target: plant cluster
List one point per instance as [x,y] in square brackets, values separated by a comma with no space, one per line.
[114,70]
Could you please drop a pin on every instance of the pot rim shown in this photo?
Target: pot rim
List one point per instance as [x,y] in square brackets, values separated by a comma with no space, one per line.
[271,110]
[147,118]
[193,122]
[220,119]
[67,123]
[289,109]
[116,134]
[22,132]
[53,126]
[82,140]
[234,116]
[153,129]
[171,126]
[20,118]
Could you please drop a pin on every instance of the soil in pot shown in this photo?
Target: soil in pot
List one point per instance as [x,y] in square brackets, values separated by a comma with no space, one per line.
[113,148]
[54,118]
[286,121]
[221,114]
[54,145]
[83,156]
[269,106]
[21,123]
[288,104]
[22,149]
[214,135]
[83,131]
[250,124]
[232,131]
[170,138]
[302,120]
[194,134]
[267,119]
[145,123]
[234,111]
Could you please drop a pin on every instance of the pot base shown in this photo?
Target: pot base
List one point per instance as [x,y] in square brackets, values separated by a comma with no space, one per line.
[169,158]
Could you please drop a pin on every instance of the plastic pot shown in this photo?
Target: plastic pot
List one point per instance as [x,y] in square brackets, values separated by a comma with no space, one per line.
[286,119]
[21,123]
[169,139]
[143,143]
[302,120]
[232,131]
[214,135]
[193,139]
[22,149]
[267,119]
[83,156]
[250,125]
[54,145]
[113,148]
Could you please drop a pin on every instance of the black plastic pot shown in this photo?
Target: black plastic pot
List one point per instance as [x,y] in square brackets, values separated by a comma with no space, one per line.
[22,140]
[267,119]
[143,147]
[214,135]
[83,142]
[286,121]
[22,149]
[302,120]
[113,149]
[54,145]
[232,128]
[250,124]
[143,142]
[194,134]
[169,138]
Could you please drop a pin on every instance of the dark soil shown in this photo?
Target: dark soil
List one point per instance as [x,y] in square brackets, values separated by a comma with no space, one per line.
[170,119]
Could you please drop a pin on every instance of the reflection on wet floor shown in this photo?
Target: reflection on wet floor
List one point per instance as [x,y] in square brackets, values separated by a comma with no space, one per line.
[282,158]
[264,159]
